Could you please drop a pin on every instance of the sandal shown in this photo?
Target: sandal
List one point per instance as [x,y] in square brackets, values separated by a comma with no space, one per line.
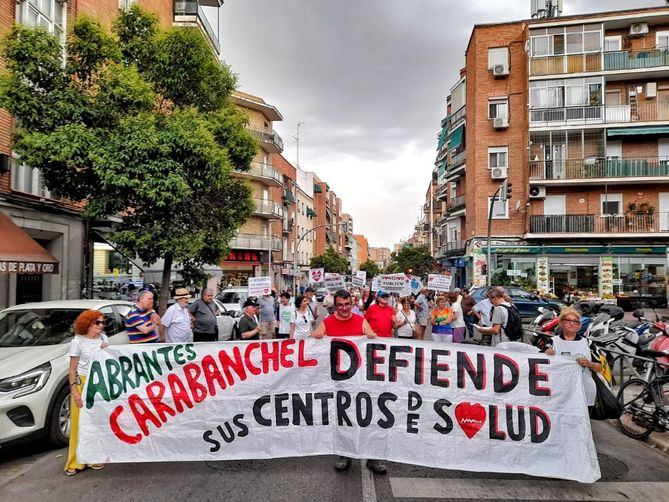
[71,472]
[96,467]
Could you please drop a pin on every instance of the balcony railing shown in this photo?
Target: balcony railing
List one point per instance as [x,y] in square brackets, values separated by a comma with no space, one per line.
[597,224]
[643,112]
[569,63]
[594,168]
[252,241]
[632,60]
[458,115]
[455,203]
[192,9]
[610,114]
[457,160]
[271,139]
[263,171]
[268,208]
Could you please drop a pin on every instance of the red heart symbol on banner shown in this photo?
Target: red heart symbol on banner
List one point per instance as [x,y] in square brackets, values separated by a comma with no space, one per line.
[470,417]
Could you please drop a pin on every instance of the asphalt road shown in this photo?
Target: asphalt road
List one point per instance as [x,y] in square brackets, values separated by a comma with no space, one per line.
[630,471]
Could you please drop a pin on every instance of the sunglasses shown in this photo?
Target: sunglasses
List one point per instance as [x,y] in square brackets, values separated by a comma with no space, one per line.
[99,323]
[572,321]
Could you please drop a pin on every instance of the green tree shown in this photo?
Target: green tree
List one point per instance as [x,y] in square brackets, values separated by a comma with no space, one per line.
[416,260]
[371,268]
[138,125]
[331,261]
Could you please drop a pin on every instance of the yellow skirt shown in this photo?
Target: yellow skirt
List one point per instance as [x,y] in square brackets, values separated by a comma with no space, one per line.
[74,432]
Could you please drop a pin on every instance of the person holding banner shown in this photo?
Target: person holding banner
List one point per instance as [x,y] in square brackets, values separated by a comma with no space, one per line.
[303,319]
[441,318]
[88,338]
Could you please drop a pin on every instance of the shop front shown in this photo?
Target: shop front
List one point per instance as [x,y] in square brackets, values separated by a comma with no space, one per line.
[241,264]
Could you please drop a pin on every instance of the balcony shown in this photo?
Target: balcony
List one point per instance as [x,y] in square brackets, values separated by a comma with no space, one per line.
[609,226]
[655,111]
[643,112]
[461,113]
[269,141]
[600,170]
[288,196]
[288,225]
[190,13]
[268,209]
[252,241]
[455,203]
[263,173]
[634,60]
[569,63]
[457,160]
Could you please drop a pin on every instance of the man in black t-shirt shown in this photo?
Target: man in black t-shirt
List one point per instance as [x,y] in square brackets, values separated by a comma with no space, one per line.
[248,323]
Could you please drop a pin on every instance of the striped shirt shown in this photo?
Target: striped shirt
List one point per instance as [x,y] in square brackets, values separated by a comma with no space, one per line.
[136,318]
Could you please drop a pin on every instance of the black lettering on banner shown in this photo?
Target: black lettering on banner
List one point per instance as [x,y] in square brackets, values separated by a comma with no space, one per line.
[207,437]
[243,428]
[304,409]
[439,406]
[538,415]
[336,349]
[436,367]
[281,410]
[373,359]
[418,374]
[257,411]
[500,362]
[415,402]
[537,376]
[476,375]
[343,403]
[230,436]
[324,397]
[394,363]
[389,419]
[513,435]
[495,433]
[366,419]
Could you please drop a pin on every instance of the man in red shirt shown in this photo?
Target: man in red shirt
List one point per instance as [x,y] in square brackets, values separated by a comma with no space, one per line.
[344,323]
[381,316]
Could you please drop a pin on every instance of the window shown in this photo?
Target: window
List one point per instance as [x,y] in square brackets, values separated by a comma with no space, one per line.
[612,43]
[612,203]
[500,211]
[454,190]
[498,55]
[498,156]
[28,180]
[498,108]
[49,14]
[565,40]
[662,39]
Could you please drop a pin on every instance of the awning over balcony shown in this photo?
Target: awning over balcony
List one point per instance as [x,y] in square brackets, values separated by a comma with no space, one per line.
[635,131]
[457,137]
[20,254]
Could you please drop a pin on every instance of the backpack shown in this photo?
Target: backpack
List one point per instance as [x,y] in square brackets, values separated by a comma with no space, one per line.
[514,323]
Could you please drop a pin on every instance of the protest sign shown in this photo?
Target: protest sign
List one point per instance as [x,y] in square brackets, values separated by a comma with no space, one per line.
[359,279]
[376,281]
[334,282]
[439,282]
[316,275]
[393,283]
[448,406]
[259,286]
[416,285]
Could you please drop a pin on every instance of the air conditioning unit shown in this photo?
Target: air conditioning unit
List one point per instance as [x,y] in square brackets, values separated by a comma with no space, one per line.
[500,122]
[638,29]
[500,70]
[537,192]
[499,173]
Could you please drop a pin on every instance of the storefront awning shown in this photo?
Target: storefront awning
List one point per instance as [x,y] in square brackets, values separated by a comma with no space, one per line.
[20,254]
[456,137]
[636,131]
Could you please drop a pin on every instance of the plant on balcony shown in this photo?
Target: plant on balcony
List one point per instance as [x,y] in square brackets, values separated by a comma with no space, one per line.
[639,209]
[137,125]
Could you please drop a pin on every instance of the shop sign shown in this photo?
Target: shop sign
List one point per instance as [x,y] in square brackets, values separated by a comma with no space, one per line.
[576,249]
[244,255]
[24,267]
[543,279]
[605,276]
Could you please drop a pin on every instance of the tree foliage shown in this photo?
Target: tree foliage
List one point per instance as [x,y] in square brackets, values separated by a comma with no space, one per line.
[417,259]
[138,125]
[371,268]
[331,261]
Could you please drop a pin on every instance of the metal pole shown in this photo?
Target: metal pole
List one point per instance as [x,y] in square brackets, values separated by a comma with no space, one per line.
[297,244]
[488,275]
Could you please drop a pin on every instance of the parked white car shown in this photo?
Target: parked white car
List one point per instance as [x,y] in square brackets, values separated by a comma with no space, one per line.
[233,299]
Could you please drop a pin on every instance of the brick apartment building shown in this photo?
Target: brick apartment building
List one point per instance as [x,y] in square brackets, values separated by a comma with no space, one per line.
[574,112]
[362,248]
[380,255]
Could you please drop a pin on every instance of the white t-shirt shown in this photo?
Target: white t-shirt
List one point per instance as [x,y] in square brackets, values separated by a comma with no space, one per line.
[406,330]
[459,321]
[286,318]
[572,349]
[83,348]
[302,324]
[177,325]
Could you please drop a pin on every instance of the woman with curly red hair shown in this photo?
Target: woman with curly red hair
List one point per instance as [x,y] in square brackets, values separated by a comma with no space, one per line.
[88,338]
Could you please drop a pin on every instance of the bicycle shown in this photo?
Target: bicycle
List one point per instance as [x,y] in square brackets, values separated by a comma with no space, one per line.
[645,404]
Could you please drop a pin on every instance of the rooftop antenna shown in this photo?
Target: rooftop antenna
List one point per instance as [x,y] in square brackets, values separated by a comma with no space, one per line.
[297,140]
[546,9]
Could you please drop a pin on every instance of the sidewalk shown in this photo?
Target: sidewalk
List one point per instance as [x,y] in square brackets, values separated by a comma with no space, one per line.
[657,440]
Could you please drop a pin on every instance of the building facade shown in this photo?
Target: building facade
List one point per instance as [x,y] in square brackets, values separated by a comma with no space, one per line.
[362,247]
[380,256]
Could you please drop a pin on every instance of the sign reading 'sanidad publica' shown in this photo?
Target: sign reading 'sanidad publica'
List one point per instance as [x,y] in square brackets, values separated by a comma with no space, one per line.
[423,403]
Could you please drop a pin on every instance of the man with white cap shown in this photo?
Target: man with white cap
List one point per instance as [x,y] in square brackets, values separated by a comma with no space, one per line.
[177,321]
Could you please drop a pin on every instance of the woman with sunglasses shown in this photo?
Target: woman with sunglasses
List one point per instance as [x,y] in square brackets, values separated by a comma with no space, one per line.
[570,344]
[303,318]
[88,339]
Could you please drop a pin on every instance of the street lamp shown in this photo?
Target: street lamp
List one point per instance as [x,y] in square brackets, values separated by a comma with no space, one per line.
[297,245]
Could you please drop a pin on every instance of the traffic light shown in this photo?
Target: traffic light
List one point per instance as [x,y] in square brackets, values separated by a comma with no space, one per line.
[505,191]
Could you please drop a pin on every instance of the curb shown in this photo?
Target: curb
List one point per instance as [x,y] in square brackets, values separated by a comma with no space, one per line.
[657,440]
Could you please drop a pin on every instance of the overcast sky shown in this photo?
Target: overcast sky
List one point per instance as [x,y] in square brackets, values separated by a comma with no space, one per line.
[369,78]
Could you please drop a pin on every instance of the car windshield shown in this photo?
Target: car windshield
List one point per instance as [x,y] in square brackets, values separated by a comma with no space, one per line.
[228,297]
[22,328]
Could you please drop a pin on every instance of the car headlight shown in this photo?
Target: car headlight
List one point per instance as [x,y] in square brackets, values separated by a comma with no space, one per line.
[26,383]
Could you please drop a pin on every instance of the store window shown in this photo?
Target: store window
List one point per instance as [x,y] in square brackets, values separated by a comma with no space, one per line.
[641,277]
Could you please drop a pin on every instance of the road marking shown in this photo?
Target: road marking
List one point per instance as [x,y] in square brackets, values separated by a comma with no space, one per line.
[500,489]
[368,488]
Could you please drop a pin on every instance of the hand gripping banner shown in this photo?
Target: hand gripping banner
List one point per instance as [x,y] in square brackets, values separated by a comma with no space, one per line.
[451,406]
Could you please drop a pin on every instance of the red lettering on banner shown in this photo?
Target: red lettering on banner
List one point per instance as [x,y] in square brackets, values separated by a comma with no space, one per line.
[155,392]
[286,351]
[237,364]
[198,391]
[142,414]
[247,358]
[212,374]
[118,432]
[270,353]
[179,393]
[302,361]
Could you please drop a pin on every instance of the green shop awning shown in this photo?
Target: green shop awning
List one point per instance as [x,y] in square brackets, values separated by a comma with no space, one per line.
[457,137]
[636,131]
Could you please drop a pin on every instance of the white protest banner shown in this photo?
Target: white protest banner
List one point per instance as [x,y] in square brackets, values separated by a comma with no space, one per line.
[359,279]
[441,405]
[316,275]
[439,282]
[376,281]
[392,283]
[334,282]
[259,286]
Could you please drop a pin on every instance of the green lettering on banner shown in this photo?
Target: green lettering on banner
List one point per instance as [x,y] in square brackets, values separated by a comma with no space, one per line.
[139,370]
[96,385]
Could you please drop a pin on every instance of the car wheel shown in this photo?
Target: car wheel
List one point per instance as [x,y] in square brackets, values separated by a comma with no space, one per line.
[59,421]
